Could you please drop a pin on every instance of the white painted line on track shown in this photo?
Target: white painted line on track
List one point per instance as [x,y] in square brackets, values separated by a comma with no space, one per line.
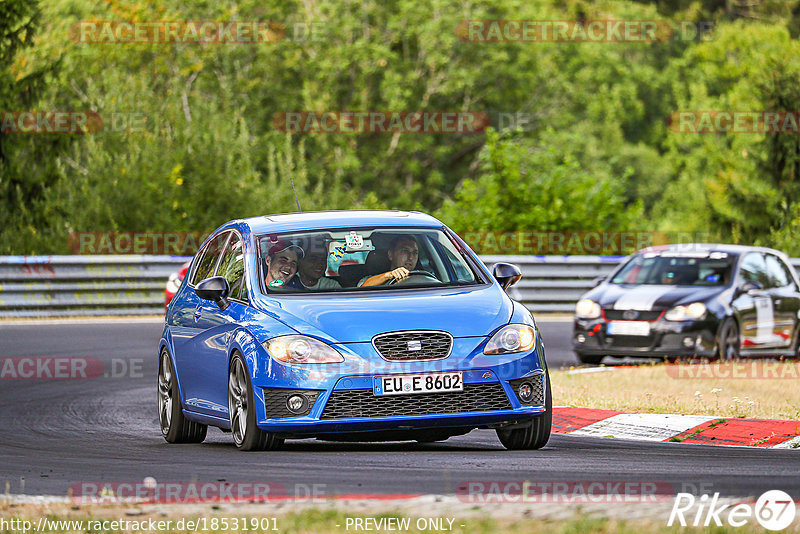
[590,370]
[647,427]
[793,443]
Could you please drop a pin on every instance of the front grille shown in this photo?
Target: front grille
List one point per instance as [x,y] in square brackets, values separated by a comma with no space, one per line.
[536,384]
[275,401]
[629,341]
[618,315]
[413,346]
[362,402]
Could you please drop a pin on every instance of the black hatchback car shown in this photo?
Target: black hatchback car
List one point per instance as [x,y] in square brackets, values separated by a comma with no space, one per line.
[692,300]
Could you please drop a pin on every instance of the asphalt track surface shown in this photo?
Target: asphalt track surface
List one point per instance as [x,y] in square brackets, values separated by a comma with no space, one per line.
[55,433]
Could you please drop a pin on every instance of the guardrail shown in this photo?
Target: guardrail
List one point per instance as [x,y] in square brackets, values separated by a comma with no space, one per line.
[63,286]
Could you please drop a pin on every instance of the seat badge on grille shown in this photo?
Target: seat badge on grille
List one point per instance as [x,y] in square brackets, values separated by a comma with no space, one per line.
[630,315]
[415,345]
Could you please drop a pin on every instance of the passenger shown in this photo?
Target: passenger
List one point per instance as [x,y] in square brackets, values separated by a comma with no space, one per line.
[311,271]
[403,255]
[282,259]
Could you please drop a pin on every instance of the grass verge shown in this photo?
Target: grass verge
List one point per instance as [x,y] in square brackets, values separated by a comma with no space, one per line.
[755,389]
[321,521]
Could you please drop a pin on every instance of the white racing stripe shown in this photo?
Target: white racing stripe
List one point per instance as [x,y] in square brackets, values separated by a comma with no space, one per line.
[642,298]
[793,443]
[642,426]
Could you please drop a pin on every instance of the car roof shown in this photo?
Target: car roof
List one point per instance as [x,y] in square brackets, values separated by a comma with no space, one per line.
[316,220]
[694,248]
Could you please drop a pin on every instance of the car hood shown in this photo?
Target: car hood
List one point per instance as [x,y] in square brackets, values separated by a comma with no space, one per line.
[651,297]
[462,311]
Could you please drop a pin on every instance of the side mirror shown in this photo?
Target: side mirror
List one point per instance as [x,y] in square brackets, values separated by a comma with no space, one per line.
[747,287]
[215,288]
[597,281]
[507,274]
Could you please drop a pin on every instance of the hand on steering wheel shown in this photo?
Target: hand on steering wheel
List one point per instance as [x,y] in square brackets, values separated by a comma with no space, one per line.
[407,274]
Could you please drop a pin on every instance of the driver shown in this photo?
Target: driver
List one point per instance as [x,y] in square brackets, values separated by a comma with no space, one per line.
[403,255]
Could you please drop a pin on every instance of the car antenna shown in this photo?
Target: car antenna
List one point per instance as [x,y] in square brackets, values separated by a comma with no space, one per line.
[295,196]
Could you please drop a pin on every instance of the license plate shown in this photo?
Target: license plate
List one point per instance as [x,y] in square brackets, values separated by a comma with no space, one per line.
[628,328]
[422,383]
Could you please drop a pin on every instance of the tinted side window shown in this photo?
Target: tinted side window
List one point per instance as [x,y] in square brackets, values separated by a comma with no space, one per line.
[210,254]
[232,266]
[753,269]
[779,271]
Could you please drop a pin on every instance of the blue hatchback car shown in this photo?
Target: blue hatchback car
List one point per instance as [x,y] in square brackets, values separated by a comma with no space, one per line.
[349,326]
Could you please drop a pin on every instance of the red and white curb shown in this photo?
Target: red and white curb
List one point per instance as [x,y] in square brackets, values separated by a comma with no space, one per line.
[698,429]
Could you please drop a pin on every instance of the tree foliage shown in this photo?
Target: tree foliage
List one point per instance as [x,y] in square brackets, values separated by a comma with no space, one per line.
[189,138]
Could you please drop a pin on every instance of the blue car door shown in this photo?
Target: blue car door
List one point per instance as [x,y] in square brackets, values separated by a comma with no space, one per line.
[199,341]
[217,327]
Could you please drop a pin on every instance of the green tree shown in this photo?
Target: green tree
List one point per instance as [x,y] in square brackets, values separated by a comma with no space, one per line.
[539,188]
[26,162]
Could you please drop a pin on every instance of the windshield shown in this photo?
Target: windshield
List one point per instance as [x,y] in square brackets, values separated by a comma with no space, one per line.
[712,270]
[362,259]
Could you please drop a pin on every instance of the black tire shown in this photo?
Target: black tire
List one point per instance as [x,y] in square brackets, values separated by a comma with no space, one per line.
[535,434]
[241,407]
[729,343]
[591,359]
[175,427]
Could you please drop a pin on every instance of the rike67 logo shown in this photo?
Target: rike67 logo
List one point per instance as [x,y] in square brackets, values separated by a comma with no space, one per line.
[774,510]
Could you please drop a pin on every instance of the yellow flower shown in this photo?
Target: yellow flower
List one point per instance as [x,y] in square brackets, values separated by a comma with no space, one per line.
[179,181]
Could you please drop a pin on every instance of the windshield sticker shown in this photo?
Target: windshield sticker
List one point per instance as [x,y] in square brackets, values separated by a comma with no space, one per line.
[337,252]
[354,241]
[276,283]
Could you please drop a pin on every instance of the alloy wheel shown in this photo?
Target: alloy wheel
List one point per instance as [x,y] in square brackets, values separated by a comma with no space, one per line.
[237,401]
[165,394]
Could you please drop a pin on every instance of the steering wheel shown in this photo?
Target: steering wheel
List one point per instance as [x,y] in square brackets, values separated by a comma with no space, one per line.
[413,273]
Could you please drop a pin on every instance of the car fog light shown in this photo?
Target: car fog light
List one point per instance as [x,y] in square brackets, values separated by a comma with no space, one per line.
[580,338]
[525,392]
[688,342]
[296,403]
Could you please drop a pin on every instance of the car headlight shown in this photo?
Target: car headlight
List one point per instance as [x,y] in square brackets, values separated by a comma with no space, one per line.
[694,310]
[587,309]
[301,349]
[511,338]
[174,283]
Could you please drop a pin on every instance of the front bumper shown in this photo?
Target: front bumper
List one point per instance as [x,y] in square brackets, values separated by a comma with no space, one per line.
[344,403]
[666,338]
